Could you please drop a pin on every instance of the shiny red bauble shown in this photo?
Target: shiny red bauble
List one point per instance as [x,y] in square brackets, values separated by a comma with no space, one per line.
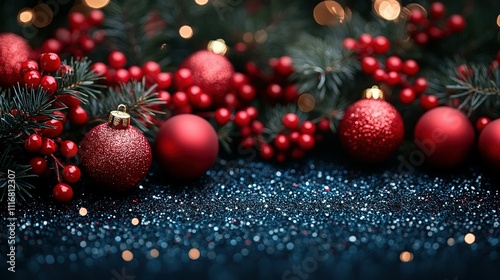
[186,146]
[489,144]
[371,131]
[445,136]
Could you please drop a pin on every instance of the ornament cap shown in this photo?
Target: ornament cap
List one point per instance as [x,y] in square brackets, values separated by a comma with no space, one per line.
[373,93]
[119,119]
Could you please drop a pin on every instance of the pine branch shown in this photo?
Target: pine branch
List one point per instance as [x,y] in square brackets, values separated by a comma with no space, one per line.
[274,116]
[8,165]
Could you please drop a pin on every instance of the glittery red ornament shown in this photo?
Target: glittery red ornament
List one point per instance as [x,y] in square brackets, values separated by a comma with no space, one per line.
[371,130]
[489,145]
[115,154]
[211,72]
[186,146]
[445,136]
[14,50]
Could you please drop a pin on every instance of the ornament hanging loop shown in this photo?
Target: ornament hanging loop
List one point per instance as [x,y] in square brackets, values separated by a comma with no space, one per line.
[119,118]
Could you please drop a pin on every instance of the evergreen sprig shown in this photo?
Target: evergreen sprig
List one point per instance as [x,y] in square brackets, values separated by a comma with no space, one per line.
[78,80]
[22,173]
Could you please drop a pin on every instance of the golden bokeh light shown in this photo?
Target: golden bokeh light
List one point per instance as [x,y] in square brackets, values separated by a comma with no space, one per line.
[217,46]
[498,20]
[83,211]
[127,255]
[450,241]
[201,2]
[25,16]
[260,36]
[154,253]
[43,15]
[186,31]
[469,238]
[194,254]
[306,102]
[406,256]
[96,4]
[387,9]
[413,6]
[328,13]
[248,37]
[135,221]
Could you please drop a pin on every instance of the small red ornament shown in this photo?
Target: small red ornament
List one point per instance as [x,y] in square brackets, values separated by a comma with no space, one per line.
[115,154]
[186,146]
[14,50]
[372,129]
[445,136]
[62,192]
[489,145]
[212,73]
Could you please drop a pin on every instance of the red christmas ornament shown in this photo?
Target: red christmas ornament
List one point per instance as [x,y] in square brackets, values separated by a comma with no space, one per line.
[212,73]
[372,129]
[445,136]
[115,154]
[489,144]
[14,50]
[186,146]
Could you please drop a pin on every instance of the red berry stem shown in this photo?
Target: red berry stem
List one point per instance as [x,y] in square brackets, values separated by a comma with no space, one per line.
[56,164]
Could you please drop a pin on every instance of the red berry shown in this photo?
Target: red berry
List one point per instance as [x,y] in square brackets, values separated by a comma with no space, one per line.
[421,38]
[297,153]
[62,192]
[99,36]
[151,68]
[437,9]
[252,112]
[281,142]
[257,127]
[464,72]
[165,96]
[61,116]
[122,76]
[202,101]
[428,102]
[77,116]
[52,45]
[63,35]
[246,92]
[87,44]
[76,21]
[393,63]
[420,85]
[33,143]
[183,78]
[240,47]
[38,165]
[291,93]
[180,99]
[350,44]
[417,17]
[266,151]
[380,45]
[69,100]
[284,67]
[393,78]
[294,136]
[49,84]
[32,78]
[248,143]
[53,130]
[379,75]
[99,68]
[95,18]
[407,96]
[117,59]
[410,67]
[231,100]
[308,127]
[71,173]
[481,123]
[281,157]
[435,32]
[68,149]
[242,119]
[49,62]
[164,80]
[29,65]
[324,125]
[135,72]
[274,91]
[48,147]
[306,142]
[291,121]
[193,92]
[365,41]
[245,131]
[238,80]
[456,23]
[369,65]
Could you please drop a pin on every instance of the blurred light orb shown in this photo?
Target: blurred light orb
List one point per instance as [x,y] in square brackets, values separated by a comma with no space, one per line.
[306,102]
[43,15]
[328,13]
[201,2]
[387,9]
[96,4]
[25,16]
[186,31]
[217,46]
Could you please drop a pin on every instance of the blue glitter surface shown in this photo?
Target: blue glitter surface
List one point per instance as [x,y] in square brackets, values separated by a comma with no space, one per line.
[319,219]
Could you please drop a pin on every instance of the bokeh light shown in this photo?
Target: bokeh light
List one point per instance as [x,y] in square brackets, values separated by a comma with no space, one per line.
[306,102]
[135,221]
[201,2]
[260,36]
[194,254]
[450,241]
[83,211]
[154,253]
[186,31]
[328,13]
[127,255]
[43,15]
[406,11]
[387,9]
[469,238]
[248,37]
[96,4]
[406,256]
[498,20]
[217,46]
[25,16]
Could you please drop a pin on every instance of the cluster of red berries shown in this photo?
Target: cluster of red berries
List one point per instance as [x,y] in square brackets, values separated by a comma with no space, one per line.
[436,27]
[35,74]
[80,38]
[367,45]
